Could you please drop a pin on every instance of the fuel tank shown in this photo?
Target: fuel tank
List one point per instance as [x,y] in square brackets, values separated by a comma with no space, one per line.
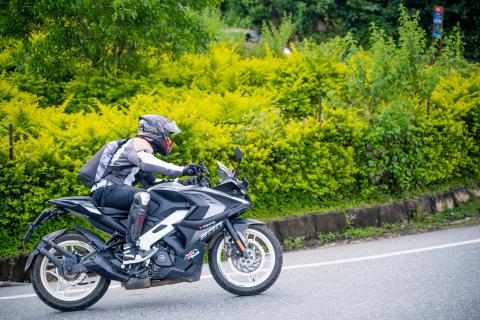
[202,203]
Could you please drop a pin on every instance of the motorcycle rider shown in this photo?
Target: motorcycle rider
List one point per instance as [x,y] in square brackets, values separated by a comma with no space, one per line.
[135,162]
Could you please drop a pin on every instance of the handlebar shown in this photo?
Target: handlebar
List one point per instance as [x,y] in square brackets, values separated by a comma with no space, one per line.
[204,169]
[199,180]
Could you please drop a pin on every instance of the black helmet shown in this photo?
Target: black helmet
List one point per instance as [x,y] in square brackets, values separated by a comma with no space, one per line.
[157,130]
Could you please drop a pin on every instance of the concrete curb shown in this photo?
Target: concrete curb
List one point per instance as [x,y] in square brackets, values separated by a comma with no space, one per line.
[12,269]
[310,226]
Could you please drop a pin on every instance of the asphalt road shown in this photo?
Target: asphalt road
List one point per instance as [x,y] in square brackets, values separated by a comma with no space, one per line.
[433,275]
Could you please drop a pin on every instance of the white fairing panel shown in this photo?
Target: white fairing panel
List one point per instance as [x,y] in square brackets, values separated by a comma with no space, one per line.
[215,207]
[150,237]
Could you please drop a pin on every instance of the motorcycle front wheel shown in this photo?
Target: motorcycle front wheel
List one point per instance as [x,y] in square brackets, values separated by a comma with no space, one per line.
[255,271]
[75,291]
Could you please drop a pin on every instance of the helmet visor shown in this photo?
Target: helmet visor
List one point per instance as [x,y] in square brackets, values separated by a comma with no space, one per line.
[171,127]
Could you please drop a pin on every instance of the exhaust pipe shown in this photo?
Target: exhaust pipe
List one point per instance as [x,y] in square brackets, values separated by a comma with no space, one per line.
[135,283]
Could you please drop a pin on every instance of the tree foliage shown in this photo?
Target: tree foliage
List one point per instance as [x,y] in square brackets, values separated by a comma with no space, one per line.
[59,35]
[396,117]
[355,16]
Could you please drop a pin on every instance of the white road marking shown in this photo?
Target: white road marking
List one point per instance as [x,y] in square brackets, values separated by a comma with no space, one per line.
[18,297]
[31,295]
[319,264]
[380,256]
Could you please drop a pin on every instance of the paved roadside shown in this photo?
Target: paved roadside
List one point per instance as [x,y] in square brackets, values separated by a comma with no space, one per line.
[434,275]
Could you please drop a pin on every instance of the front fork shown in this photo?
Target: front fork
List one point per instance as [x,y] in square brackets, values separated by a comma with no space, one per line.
[237,237]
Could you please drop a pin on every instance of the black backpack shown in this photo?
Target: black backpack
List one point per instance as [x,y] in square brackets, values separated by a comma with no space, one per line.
[97,166]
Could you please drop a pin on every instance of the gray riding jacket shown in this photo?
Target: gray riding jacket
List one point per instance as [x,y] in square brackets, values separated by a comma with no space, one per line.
[135,162]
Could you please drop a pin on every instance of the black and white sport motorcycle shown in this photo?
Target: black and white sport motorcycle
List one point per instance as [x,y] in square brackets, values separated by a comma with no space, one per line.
[72,270]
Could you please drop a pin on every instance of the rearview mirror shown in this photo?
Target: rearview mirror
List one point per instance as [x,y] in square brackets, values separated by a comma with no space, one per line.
[238,154]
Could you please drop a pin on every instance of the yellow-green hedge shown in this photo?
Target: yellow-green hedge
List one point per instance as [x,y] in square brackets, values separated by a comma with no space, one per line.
[293,158]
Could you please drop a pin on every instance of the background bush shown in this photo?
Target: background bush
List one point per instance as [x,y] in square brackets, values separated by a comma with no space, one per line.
[396,118]
[337,17]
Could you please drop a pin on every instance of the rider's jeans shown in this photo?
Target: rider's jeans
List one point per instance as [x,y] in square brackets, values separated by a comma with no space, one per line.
[116,196]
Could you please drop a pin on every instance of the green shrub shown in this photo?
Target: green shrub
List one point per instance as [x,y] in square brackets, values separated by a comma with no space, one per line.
[276,39]
[391,122]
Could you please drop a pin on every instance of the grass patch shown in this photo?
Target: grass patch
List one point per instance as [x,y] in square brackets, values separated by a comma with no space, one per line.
[345,202]
[292,243]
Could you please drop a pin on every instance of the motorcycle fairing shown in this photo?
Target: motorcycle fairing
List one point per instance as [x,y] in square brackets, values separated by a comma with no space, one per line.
[187,218]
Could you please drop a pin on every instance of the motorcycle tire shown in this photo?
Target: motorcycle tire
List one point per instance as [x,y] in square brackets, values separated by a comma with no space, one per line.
[46,293]
[226,281]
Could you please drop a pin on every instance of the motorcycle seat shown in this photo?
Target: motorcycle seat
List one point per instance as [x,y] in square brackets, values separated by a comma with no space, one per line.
[78,198]
[88,201]
[108,211]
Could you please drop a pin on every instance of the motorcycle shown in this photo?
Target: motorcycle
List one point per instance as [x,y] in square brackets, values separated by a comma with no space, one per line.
[186,219]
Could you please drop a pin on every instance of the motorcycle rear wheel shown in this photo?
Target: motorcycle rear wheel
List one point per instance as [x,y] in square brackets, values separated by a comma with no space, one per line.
[253,273]
[76,291]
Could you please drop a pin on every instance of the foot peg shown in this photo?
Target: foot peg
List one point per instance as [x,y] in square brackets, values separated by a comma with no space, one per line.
[133,255]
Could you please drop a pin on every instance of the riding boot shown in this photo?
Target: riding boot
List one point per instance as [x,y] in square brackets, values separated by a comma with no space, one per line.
[131,250]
